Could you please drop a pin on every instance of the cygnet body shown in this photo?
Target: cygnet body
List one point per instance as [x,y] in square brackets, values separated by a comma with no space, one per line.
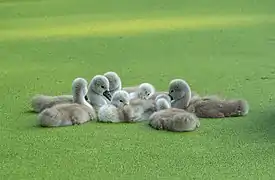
[98,92]
[204,107]
[118,110]
[40,102]
[172,119]
[142,108]
[78,112]
[130,89]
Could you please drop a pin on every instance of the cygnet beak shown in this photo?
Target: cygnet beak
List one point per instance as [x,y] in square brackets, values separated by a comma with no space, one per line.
[108,95]
[171,97]
[143,97]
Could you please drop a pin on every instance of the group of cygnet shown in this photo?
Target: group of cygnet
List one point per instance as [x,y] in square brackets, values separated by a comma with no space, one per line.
[104,100]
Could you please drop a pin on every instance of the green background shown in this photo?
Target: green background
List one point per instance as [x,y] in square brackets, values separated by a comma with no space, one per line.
[235,62]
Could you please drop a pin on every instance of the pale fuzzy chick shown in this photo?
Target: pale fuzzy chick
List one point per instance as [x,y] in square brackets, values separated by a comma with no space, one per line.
[172,119]
[115,83]
[145,91]
[205,107]
[98,92]
[118,110]
[78,112]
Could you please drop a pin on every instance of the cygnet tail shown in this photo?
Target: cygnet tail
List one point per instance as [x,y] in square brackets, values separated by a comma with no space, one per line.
[238,107]
[38,102]
[244,107]
[49,118]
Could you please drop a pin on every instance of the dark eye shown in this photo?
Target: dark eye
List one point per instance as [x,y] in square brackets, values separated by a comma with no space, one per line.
[172,91]
[120,101]
[102,87]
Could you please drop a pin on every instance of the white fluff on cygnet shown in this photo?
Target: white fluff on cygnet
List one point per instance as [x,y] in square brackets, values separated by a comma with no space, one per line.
[118,110]
[98,92]
[66,114]
[145,91]
[172,119]
[114,81]
[40,102]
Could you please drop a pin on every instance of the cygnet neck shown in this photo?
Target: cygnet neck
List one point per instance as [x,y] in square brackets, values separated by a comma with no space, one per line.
[115,89]
[79,98]
[184,100]
[187,96]
[119,85]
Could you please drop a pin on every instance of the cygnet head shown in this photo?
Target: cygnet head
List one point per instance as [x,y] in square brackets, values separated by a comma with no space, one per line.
[79,88]
[145,91]
[179,89]
[165,96]
[114,81]
[120,98]
[100,85]
[162,103]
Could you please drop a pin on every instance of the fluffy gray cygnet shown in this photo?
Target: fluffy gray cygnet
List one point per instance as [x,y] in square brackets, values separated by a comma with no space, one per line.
[205,107]
[144,91]
[98,92]
[66,114]
[118,110]
[172,119]
[115,83]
